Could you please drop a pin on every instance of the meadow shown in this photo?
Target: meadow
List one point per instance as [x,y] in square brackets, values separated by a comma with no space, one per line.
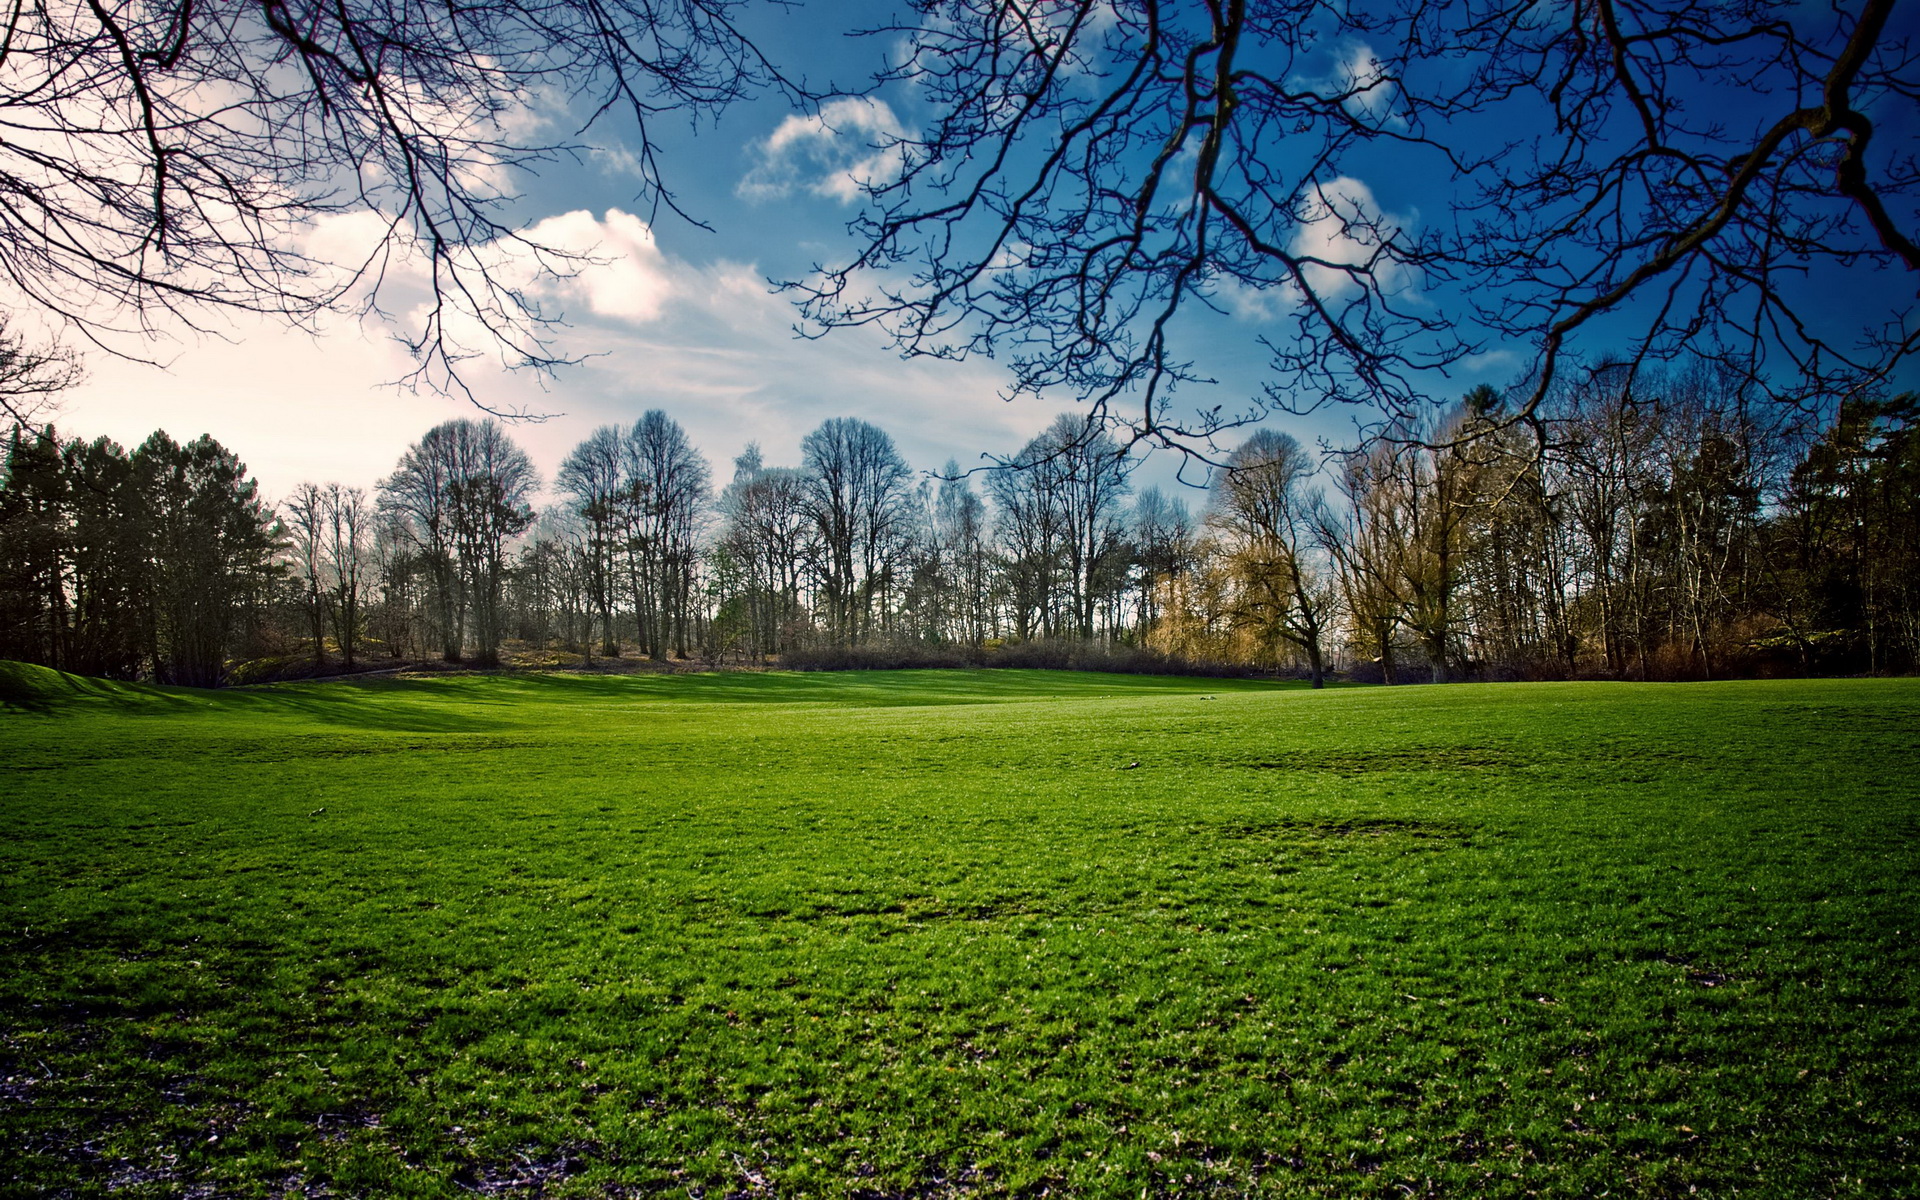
[958,933]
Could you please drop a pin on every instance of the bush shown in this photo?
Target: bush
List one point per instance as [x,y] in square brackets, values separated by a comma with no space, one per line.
[889,655]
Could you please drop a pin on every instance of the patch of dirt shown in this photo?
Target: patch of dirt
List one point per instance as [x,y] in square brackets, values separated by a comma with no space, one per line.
[1700,974]
[526,1175]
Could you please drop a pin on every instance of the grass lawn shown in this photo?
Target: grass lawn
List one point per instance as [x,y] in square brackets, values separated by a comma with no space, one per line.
[936,933]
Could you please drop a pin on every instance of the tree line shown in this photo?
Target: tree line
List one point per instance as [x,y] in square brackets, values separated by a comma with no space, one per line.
[1639,532]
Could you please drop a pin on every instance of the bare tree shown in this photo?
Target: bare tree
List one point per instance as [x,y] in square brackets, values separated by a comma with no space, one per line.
[1711,506]
[1092,470]
[1059,516]
[418,499]
[1432,488]
[347,538]
[1161,531]
[665,485]
[306,518]
[960,526]
[550,591]
[329,539]
[1520,559]
[1264,506]
[1029,521]
[1605,447]
[1412,501]
[1367,541]
[462,492]
[493,480]
[768,533]
[921,600]
[591,475]
[395,617]
[856,497]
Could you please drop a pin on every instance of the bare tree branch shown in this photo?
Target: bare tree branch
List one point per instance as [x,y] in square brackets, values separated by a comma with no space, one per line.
[159,162]
[1096,177]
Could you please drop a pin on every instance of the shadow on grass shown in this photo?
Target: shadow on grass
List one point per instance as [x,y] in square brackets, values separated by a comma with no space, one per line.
[867,688]
[483,703]
[42,691]
[28,688]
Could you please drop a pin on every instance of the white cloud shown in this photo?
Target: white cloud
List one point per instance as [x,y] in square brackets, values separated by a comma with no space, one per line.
[571,265]
[1013,256]
[1375,98]
[618,162]
[1352,70]
[851,144]
[1341,224]
[619,272]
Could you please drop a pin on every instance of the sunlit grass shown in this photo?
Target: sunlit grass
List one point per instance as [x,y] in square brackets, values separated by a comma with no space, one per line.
[958,932]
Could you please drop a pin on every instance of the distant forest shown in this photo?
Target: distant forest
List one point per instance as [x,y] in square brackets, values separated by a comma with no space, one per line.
[1663,534]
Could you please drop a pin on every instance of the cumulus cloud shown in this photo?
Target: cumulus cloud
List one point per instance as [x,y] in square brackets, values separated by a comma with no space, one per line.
[1338,223]
[849,145]
[1352,70]
[1341,224]
[617,269]
[1375,98]
[366,244]
[572,265]
[618,162]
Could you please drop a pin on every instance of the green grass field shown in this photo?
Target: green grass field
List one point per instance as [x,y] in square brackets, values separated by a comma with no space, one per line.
[933,933]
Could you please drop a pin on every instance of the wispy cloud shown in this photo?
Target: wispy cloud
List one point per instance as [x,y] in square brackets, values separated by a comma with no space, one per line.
[1248,303]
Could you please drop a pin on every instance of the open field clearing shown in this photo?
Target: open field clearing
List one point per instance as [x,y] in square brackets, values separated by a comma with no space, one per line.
[957,933]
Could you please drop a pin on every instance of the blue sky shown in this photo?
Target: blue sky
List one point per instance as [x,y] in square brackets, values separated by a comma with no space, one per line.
[677,317]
